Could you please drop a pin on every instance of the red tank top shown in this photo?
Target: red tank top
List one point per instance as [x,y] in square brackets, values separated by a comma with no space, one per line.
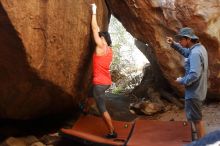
[101,68]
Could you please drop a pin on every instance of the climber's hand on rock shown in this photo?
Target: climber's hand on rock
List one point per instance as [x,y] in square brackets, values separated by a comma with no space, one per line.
[94,7]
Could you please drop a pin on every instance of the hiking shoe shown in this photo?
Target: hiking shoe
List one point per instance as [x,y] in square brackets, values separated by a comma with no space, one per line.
[194,136]
[111,135]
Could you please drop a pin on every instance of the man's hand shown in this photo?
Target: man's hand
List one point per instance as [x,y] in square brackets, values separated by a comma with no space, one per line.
[94,9]
[170,40]
[178,80]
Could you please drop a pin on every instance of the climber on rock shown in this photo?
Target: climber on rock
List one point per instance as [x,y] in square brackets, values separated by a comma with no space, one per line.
[102,59]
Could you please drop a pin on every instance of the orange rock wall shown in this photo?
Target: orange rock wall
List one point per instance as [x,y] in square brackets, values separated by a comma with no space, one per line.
[151,21]
[45,55]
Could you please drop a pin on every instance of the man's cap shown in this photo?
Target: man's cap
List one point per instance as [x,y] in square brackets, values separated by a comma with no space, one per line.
[187,32]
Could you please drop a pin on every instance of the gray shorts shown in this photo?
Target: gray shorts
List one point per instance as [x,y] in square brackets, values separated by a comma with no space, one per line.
[193,109]
[99,95]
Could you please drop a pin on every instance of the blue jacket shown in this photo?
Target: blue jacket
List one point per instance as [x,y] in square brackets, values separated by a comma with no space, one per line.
[196,67]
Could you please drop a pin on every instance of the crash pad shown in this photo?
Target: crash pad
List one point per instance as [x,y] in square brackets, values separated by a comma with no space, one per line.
[160,133]
[93,129]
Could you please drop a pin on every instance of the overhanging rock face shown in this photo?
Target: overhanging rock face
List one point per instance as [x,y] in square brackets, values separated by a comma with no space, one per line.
[45,55]
[151,21]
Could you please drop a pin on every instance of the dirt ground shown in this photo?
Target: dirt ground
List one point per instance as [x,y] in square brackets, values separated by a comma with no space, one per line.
[211,114]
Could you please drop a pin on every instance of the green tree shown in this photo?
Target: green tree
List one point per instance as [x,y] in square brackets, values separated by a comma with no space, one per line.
[123,67]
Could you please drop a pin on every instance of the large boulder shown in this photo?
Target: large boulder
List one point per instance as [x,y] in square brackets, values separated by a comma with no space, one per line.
[46,48]
[45,55]
[151,21]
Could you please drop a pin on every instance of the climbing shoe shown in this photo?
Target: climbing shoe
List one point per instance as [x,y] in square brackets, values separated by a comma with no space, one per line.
[111,135]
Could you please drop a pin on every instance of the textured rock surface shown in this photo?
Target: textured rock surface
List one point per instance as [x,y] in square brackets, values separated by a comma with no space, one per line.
[151,21]
[45,51]
[45,55]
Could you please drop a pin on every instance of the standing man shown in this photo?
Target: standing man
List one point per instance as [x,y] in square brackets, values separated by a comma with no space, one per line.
[102,59]
[195,78]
